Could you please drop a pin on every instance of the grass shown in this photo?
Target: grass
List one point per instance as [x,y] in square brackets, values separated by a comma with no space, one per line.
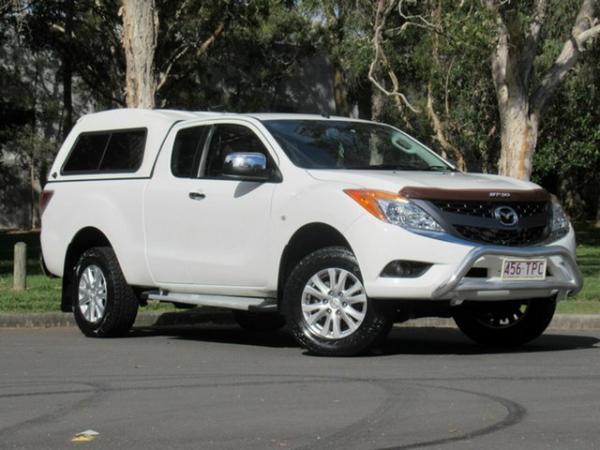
[588,258]
[43,294]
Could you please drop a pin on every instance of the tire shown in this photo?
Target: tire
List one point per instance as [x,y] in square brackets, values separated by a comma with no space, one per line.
[312,309]
[259,322]
[103,304]
[505,324]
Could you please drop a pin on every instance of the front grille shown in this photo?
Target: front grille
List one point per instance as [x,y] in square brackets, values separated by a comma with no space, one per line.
[496,236]
[475,221]
[486,209]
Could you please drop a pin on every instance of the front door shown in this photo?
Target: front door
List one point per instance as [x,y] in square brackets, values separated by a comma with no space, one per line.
[202,228]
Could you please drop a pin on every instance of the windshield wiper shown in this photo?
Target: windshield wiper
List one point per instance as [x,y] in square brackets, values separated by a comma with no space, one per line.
[434,168]
[383,167]
[441,169]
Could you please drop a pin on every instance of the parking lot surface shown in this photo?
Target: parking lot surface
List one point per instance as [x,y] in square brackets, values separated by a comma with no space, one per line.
[216,386]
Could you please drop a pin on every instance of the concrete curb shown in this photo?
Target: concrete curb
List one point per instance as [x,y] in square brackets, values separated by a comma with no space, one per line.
[559,322]
[210,315]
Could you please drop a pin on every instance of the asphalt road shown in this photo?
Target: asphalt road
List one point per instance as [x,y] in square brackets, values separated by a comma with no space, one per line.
[219,387]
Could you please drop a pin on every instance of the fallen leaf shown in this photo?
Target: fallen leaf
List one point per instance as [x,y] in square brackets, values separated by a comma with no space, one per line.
[85,436]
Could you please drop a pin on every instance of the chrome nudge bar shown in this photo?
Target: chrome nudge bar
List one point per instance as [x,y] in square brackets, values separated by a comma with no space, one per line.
[568,282]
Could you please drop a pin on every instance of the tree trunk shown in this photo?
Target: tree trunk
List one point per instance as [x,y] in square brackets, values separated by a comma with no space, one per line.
[518,137]
[448,149]
[33,222]
[520,101]
[377,110]
[140,30]
[377,105]
[340,92]
[598,213]
[67,73]
[67,78]
[33,204]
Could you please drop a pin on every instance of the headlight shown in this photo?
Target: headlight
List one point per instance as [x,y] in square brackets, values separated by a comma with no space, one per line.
[559,223]
[394,209]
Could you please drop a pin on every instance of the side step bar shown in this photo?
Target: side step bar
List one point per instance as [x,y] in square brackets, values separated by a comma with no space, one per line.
[218,301]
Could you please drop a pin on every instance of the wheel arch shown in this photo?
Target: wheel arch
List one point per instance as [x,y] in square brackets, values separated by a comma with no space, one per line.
[83,240]
[305,240]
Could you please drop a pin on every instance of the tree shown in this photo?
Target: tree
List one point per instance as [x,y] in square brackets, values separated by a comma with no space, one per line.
[29,109]
[140,31]
[521,98]
[381,64]
[344,27]
[568,151]
[332,16]
[149,63]
[427,62]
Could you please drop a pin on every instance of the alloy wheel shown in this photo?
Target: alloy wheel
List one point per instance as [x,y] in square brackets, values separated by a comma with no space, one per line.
[334,303]
[92,294]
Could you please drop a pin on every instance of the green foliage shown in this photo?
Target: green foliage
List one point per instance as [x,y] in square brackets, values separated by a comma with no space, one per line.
[461,78]
[451,56]
[567,160]
[29,117]
[70,30]
[262,44]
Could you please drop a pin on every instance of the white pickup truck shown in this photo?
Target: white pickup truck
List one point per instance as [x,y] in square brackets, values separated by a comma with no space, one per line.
[333,227]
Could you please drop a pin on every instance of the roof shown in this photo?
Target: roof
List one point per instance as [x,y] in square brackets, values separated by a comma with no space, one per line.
[118,118]
[135,113]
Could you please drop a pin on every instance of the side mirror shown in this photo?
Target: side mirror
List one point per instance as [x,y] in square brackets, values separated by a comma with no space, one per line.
[246,166]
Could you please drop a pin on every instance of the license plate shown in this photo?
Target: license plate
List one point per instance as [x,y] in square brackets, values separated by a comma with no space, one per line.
[524,269]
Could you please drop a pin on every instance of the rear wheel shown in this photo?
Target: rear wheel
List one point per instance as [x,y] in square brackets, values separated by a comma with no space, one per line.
[506,323]
[259,322]
[103,303]
[326,306]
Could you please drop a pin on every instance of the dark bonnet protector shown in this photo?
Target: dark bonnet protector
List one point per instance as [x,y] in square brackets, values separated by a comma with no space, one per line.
[472,214]
[483,195]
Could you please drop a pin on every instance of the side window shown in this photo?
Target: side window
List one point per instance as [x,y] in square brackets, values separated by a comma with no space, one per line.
[87,153]
[230,139]
[106,152]
[125,151]
[187,150]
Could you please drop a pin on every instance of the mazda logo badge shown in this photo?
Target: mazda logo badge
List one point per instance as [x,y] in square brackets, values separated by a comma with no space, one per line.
[506,215]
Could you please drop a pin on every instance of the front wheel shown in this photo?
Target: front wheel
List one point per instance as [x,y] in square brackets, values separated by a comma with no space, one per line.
[103,303]
[506,323]
[327,309]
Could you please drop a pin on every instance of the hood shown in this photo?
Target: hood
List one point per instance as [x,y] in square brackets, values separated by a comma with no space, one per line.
[394,181]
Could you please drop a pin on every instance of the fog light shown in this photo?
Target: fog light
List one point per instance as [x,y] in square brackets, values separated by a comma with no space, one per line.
[405,269]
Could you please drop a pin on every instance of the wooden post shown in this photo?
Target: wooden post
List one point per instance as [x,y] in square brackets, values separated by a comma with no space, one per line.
[20,272]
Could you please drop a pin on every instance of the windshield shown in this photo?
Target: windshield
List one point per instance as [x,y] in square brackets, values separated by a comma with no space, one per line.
[331,144]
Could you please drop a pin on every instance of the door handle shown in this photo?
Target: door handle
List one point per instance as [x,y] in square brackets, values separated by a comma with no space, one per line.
[197,195]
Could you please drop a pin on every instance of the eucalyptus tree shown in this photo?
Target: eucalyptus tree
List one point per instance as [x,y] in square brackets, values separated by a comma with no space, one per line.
[455,41]
[522,91]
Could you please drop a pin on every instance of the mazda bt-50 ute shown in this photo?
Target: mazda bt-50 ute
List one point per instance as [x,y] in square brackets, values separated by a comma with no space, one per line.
[333,227]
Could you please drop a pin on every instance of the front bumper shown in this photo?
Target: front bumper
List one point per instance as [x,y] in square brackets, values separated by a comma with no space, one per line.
[376,244]
[565,276]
